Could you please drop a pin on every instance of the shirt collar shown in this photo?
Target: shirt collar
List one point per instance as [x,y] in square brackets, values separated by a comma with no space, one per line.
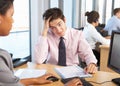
[90,25]
[66,34]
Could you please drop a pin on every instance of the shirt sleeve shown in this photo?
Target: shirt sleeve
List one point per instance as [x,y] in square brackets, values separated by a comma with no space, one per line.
[98,37]
[85,51]
[41,50]
[118,24]
[7,76]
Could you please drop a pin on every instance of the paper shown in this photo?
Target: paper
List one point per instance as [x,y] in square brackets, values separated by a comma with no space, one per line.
[71,71]
[29,73]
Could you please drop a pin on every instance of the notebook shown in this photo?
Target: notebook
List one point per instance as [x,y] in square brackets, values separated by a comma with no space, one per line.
[29,73]
[72,71]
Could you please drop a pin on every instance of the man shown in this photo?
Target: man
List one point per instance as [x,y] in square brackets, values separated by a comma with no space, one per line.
[114,22]
[75,44]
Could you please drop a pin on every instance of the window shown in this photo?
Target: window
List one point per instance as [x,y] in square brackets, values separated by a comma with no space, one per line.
[68,11]
[18,41]
[116,3]
[53,3]
[108,10]
[89,5]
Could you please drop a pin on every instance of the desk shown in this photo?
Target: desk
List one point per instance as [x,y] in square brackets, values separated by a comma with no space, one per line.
[99,77]
[104,53]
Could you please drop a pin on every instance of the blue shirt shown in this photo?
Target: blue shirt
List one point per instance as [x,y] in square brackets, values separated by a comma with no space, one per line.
[112,24]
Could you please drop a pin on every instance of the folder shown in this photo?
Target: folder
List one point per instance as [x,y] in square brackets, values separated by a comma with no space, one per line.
[72,71]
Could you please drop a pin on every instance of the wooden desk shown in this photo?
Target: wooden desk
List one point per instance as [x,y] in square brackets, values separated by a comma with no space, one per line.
[104,53]
[50,69]
[99,77]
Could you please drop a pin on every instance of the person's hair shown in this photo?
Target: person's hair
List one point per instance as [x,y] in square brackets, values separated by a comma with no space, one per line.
[116,10]
[5,5]
[53,13]
[92,16]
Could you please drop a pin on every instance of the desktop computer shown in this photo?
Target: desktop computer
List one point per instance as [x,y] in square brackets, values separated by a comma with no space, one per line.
[114,55]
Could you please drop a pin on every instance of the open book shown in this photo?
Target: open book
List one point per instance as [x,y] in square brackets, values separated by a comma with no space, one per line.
[71,71]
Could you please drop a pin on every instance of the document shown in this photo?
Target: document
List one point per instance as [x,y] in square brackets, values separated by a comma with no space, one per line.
[29,73]
[71,71]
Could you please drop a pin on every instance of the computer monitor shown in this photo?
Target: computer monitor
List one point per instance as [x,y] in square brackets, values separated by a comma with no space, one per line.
[114,54]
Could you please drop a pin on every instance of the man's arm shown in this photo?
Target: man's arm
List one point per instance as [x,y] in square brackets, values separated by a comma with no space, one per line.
[41,48]
[86,54]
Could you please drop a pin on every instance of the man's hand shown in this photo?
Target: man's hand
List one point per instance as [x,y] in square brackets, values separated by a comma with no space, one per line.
[46,27]
[74,82]
[91,68]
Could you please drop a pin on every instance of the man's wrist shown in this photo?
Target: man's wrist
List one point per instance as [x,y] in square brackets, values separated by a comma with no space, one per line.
[94,64]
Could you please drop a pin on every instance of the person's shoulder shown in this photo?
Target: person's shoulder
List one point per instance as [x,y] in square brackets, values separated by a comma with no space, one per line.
[75,33]
[3,51]
[113,18]
[74,30]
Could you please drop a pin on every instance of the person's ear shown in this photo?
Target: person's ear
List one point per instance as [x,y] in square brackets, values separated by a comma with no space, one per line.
[64,20]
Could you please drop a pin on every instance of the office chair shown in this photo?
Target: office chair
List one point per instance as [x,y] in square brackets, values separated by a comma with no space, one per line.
[81,28]
[81,63]
[100,29]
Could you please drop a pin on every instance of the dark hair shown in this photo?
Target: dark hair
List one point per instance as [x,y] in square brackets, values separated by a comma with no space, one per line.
[5,5]
[92,16]
[116,11]
[54,13]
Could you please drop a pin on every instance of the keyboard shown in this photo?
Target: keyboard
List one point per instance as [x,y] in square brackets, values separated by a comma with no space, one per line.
[116,81]
[84,82]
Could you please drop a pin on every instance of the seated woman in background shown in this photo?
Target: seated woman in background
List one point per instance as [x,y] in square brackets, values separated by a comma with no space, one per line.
[7,78]
[91,34]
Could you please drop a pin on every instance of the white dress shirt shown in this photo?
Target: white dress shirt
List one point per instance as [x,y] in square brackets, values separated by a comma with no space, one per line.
[92,36]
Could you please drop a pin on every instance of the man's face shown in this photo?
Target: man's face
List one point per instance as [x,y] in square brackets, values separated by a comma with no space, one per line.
[58,27]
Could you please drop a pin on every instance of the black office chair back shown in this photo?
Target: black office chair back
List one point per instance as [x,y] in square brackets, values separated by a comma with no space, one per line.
[81,28]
